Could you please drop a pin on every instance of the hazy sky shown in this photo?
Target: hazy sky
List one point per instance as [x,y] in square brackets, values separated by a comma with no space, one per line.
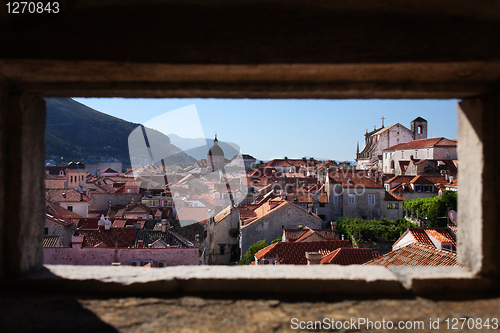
[267,129]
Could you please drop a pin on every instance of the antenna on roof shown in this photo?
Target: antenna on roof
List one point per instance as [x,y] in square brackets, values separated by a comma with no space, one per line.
[382,121]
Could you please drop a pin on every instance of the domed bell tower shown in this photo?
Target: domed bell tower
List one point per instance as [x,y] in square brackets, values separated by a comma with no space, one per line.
[76,174]
[215,156]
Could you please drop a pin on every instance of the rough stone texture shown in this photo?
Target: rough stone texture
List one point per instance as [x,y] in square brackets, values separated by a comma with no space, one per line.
[478,152]
[23,117]
[106,256]
[3,174]
[289,280]
[225,48]
[26,313]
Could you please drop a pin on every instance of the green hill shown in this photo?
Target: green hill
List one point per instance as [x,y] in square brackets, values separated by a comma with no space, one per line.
[74,130]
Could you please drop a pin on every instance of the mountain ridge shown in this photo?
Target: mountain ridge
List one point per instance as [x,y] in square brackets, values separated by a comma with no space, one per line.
[76,131]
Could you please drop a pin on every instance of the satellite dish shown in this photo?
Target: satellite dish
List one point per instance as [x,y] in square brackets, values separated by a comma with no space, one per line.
[452,214]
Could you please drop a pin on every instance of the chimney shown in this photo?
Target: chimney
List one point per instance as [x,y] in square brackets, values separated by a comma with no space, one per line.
[101,222]
[77,241]
[313,258]
[164,226]
[140,244]
[107,224]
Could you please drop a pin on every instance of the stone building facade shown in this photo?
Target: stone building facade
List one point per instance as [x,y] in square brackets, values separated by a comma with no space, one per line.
[222,242]
[353,194]
[425,149]
[385,137]
[273,217]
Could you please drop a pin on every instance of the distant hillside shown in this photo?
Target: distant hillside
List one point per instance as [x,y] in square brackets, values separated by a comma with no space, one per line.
[74,130]
[200,150]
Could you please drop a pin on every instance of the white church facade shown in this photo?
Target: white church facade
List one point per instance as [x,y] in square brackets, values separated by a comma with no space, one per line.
[370,158]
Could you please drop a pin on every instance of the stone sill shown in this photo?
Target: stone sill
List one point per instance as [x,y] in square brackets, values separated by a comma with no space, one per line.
[321,280]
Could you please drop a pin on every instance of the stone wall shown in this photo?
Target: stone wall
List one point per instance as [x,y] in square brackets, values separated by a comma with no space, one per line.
[63,232]
[106,256]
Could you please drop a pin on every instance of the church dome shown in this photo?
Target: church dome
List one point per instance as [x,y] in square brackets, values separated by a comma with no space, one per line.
[215,150]
[72,165]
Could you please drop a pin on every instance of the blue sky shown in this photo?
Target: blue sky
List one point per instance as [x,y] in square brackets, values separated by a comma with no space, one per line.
[267,129]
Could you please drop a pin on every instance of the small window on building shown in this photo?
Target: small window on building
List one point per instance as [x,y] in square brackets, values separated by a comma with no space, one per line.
[335,198]
[46,230]
[351,199]
[222,248]
[371,199]
[265,225]
[70,208]
[418,188]
[322,204]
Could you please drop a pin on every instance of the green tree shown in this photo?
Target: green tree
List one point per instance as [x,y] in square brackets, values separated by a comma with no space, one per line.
[248,257]
[387,230]
[277,240]
[433,210]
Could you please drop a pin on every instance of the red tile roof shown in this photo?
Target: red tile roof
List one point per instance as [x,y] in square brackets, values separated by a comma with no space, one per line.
[65,195]
[433,142]
[400,179]
[294,253]
[421,235]
[349,256]
[276,203]
[389,196]
[54,209]
[120,237]
[429,180]
[108,170]
[415,254]
[62,221]
[299,235]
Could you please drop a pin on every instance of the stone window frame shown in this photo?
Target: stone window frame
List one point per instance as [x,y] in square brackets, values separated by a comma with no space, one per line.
[477,250]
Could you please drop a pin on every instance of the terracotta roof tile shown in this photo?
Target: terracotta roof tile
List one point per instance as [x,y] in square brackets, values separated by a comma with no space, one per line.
[122,237]
[293,253]
[415,254]
[54,209]
[442,235]
[421,235]
[389,196]
[108,170]
[65,195]
[433,142]
[62,221]
[349,256]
